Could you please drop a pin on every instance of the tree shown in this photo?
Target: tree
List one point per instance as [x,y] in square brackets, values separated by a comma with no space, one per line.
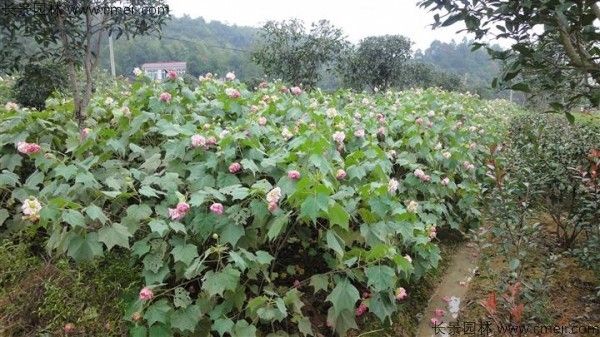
[71,32]
[554,42]
[37,82]
[287,51]
[377,62]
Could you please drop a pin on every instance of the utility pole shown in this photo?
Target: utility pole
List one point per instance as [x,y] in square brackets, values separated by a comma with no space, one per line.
[112,55]
[511,95]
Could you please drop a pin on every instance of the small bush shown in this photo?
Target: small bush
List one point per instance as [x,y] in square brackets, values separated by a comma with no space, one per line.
[37,83]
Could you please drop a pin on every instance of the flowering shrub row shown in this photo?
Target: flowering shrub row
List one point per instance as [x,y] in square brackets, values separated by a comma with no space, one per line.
[252,212]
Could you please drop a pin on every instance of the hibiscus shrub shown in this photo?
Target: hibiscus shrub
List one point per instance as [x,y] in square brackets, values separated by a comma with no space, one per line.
[275,211]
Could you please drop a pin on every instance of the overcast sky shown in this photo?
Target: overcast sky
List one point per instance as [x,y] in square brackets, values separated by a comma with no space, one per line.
[358,18]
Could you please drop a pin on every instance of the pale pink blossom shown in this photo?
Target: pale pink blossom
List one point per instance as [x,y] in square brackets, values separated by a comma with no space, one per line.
[165,97]
[284,89]
[216,208]
[172,75]
[273,206]
[419,121]
[435,322]
[446,154]
[360,133]
[401,294]
[468,166]
[230,76]
[393,185]
[439,313]
[340,174]
[331,112]
[446,181]
[210,141]
[339,137]
[69,328]
[232,93]
[198,140]
[287,135]
[274,195]
[146,294]
[381,130]
[11,106]
[472,146]
[431,232]
[85,132]
[28,148]
[262,121]
[235,168]
[293,174]
[296,91]
[431,113]
[179,211]
[413,206]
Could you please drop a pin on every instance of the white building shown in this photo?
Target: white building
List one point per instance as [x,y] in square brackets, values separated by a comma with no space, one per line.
[158,70]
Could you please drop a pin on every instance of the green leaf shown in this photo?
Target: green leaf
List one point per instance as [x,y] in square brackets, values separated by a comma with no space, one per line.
[181,299]
[382,305]
[381,278]
[319,282]
[3,215]
[339,216]
[138,331]
[84,248]
[305,327]
[96,213]
[73,218]
[139,212]
[158,226]
[160,330]
[333,242]
[114,235]
[186,319]
[277,225]
[243,329]
[223,326]
[158,312]
[217,283]
[343,297]
[312,205]
[185,253]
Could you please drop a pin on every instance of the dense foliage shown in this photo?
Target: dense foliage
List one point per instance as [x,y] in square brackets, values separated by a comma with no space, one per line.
[251,212]
[37,82]
[287,51]
[553,42]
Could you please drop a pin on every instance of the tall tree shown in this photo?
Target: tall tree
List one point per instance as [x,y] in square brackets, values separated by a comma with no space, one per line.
[288,51]
[71,32]
[555,42]
[377,62]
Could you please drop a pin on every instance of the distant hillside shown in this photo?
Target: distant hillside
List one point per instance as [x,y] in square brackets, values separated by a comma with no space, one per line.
[205,46]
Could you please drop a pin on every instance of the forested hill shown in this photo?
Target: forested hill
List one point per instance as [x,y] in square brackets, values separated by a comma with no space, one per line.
[205,46]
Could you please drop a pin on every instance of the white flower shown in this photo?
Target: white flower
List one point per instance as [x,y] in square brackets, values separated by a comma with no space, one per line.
[109,101]
[419,173]
[339,137]
[286,133]
[393,185]
[408,258]
[413,206]
[365,101]
[438,146]
[431,113]
[446,154]
[445,181]
[137,71]
[31,208]
[360,133]
[230,76]
[274,195]
[223,134]
[331,112]
[473,128]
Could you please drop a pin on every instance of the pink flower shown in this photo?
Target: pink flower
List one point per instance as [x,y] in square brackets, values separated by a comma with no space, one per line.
[230,76]
[380,118]
[362,308]
[274,195]
[85,133]
[28,148]
[439,313]
[296,284]
[468,166]
[216,208]
[293,174]
[69,328]
[366,295]
[172,75]
[235,168]
[419,173]
[272,206]
[401,294]
[472,146]
[146,294]
[360,133]
[393,185]
[232,93]
[211,141]
[339,137]
[263,84]
[284,89]
[296,91]
[198,140]
[179,211]
[340,174]
[446,154]
[445,181]
[165,97]
[381,130]
[435,322]
[419,121]
[262,121]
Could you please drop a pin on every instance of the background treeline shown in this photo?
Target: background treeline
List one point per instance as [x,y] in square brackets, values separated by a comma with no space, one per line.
[219,48]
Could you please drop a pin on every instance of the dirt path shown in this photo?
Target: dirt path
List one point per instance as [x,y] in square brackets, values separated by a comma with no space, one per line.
[449,293]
